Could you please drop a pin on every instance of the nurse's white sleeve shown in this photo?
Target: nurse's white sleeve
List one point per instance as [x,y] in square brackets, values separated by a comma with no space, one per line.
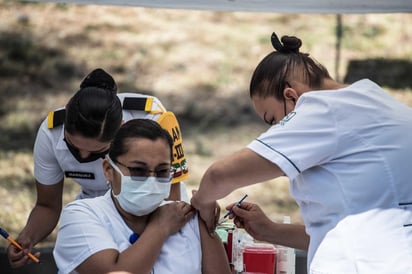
[274,156]
[81,234]
[46,167]
[307,137]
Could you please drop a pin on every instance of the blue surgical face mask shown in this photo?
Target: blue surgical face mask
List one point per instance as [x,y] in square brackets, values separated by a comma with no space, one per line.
[140,197]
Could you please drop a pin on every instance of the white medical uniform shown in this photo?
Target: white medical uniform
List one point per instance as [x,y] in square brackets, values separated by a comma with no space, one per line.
[92,225]
[348,156]
[53,160]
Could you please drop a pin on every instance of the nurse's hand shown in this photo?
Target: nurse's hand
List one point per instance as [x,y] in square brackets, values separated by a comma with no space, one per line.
[18,258]
[251,217]
[172,217]
[208,212]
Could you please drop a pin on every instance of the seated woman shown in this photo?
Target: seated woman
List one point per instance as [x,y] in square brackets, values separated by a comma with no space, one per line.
[131,228]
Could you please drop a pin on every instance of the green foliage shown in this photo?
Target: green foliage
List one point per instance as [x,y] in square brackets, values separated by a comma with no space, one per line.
[20,56]
[373,31]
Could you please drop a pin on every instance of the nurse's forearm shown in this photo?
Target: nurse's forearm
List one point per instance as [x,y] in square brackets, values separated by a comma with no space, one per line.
[291,235]
[45,214]
[138,258]
[237,170]
[221,178]
[213,185]
[41,222]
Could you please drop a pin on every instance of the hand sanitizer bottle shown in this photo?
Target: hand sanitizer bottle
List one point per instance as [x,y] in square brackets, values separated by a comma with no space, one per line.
[285,260]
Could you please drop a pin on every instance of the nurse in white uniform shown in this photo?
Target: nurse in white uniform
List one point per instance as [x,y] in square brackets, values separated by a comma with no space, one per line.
[71,143]
[346,151]
[126,230]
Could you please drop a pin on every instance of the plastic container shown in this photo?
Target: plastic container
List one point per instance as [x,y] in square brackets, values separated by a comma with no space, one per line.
[259,259]
[240,239]
[229,245]
[286,256]
[225,232]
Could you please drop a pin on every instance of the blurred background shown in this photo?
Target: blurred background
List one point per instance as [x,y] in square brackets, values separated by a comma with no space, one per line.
[198,63]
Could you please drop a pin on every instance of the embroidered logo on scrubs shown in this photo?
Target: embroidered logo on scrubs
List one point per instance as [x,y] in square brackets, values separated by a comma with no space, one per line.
[79,175]
[287,118]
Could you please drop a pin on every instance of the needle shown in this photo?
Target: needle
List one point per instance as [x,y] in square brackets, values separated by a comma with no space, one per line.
[223,219]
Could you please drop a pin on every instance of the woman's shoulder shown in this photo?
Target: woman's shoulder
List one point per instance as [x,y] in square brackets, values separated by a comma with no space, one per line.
[134,95]
[140,102]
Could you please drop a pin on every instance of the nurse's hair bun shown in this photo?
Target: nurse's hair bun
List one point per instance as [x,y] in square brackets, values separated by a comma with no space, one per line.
[288,44]
[100,79]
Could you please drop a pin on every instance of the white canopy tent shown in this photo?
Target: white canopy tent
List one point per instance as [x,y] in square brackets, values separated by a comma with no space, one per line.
[273,6]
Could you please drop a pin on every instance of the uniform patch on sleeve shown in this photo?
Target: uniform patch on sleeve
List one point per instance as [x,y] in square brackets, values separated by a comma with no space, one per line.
[56,118]
[142,104]
[169,122]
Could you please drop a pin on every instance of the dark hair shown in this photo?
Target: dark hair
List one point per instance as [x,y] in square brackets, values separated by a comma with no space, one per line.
[278,67]
[95,111]
[138,128]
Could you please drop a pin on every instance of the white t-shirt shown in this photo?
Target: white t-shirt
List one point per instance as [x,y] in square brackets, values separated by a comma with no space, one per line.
[347,154]
[88,226]
[53,160]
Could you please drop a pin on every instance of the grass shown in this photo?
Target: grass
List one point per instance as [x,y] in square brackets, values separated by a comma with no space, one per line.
[197,62]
